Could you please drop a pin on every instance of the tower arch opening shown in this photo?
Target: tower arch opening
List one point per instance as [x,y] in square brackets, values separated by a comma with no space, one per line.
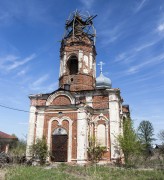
[72,65]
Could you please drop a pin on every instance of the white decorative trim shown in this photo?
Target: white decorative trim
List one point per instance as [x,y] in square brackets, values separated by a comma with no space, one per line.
[115,129]
[60,120]
[82,136]
[60,93]
[95,121]
[80,59]
[107,136]
[100,117]
[89,99]
[61,68]
[31,130]
[72,54]
[39,125]
[64,63]
[91,61]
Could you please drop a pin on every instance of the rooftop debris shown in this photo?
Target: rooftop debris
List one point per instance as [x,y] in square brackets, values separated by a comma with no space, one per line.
[78,25]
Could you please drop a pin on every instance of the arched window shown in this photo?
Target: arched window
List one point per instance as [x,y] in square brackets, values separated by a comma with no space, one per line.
[72,65]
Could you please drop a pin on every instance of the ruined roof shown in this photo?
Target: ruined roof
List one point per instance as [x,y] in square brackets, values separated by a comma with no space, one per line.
[6,136]
[80,25]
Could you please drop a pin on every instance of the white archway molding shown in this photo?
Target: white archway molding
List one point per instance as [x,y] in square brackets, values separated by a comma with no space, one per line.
[95,122]
[60,93]
[100,117]
[60,120]
[72,54]
[60,131]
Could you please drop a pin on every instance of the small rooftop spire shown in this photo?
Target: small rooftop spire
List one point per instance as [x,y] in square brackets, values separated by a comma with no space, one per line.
[100,64]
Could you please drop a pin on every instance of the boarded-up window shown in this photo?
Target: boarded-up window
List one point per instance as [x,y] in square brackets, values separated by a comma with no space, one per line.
[101,135]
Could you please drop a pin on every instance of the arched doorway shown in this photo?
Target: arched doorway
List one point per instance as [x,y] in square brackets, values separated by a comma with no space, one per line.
[59,145]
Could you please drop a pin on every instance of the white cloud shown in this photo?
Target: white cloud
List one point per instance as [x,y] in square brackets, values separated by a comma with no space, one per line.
[87,3]
[146,45]
[22,72]
[20,63]
[140,5]
[133,69]
[23,123]
[8,58]
[150,62]
[35,85]
[31,10]
[160,27]
[40,85]
[125,57]
[52,87]
[11,62]
[110,35]
[130,55]
[160,24]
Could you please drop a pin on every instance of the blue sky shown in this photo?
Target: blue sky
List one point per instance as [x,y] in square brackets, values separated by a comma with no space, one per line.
[130,41]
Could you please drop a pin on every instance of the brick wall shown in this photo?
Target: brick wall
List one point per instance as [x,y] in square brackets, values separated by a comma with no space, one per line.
[61,100]
[78,82]
[38,102]
[100,102]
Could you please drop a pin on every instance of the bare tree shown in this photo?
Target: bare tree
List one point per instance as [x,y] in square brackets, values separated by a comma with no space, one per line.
[161,135]
[145,135]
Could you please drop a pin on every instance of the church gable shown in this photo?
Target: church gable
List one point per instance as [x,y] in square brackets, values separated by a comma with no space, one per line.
[61,100]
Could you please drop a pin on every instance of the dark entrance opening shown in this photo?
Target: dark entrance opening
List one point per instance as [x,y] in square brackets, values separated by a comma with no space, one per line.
[59,145]
[72,65]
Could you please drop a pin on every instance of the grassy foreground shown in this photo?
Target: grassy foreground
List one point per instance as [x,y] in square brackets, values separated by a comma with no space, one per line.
[77,172]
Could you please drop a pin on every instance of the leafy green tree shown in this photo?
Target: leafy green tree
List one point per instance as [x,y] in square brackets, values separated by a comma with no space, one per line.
[145,135]
[40,150]
[128,141]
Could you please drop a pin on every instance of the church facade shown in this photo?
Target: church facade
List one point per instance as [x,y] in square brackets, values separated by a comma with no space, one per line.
[83,106]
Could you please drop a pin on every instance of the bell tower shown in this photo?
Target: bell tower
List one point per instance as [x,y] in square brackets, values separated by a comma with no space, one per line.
[78,53]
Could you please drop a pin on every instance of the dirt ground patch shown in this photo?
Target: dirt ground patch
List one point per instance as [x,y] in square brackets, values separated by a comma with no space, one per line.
[2,174]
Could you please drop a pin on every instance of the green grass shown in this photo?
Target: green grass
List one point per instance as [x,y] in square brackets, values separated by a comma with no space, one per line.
[78,172]
[36,173]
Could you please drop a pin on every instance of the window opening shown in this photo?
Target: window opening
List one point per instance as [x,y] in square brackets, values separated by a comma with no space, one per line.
[73,65]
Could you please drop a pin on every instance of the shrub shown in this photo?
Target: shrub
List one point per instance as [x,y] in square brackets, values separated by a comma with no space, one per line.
[95,152]
[17,151]
[39,150]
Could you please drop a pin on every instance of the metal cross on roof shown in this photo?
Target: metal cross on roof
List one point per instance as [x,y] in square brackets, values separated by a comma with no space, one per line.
[100,64]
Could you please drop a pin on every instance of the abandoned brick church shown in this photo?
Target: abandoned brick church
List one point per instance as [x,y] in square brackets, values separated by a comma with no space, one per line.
[83,106]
